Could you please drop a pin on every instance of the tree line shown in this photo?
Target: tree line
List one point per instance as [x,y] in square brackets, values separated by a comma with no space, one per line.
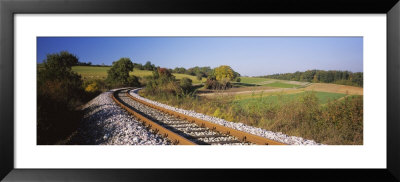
[321,76]
[199,72]
[90,64]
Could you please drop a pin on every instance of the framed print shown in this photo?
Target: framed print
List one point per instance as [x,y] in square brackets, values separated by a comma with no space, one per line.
[267,73]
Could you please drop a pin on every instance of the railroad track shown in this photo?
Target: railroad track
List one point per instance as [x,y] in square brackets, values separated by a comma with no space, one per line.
[181,129]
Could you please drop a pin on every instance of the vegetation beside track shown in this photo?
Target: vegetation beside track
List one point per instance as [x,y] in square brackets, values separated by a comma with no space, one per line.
[313,115]
[60,92]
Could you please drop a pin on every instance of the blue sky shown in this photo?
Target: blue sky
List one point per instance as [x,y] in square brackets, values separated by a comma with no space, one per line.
[251,56]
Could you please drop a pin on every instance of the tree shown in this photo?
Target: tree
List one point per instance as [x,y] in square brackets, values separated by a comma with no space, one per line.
[164,72]
[179,70]
[138,66]
[118,75]
[59,65]
[149,66]
[57,80]
[224,73]
[59,91]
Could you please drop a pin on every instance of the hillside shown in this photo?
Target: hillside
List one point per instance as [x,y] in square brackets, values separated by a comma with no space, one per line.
[94,72]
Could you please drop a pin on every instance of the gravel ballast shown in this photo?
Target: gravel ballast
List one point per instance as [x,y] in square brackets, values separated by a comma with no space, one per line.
[183,127]
[277,136]
[105,123]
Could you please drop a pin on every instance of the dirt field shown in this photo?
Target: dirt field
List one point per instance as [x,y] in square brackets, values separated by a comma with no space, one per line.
[327,87]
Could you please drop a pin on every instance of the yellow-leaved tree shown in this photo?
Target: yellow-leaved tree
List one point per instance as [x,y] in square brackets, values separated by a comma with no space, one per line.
[224,73]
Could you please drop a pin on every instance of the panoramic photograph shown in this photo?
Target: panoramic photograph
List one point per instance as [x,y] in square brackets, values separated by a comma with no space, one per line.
[199,91]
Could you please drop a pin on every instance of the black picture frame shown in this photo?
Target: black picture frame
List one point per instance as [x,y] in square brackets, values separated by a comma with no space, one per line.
[8,8]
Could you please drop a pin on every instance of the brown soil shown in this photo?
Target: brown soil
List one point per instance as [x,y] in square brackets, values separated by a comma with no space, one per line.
[327,87]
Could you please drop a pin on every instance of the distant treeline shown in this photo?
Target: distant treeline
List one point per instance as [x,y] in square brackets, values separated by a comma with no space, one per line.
[90,64]
[316,76]
[199,72]
[195,71]
[146,66]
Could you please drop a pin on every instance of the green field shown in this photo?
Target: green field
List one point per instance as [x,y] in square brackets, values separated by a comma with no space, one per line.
[255,81]
[280,85]
[95,72]
[91,72]
[323,98]
[193,78]
[141,73]
[252,80]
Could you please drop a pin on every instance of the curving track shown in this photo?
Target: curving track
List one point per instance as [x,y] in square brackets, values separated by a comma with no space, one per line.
[182,129]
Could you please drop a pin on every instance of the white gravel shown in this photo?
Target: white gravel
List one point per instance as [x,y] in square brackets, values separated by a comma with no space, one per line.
[105,123]
[181,126]
[277,136]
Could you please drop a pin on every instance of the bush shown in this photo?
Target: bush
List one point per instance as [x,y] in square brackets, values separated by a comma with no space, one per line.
[199,76]
[59,92]
[216,85]
[133,81]
[186,84]
[164,83]
[93,87]
[238,79]
[118,75]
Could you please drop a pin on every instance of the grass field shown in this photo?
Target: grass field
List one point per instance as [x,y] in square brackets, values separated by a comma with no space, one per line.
[141,73]
[256,81]
[323,97]
[280,85]
[193,78]
[252,80]
[91,72]
[94,72]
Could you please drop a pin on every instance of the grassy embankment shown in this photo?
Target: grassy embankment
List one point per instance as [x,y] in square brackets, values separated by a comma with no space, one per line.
[327,117]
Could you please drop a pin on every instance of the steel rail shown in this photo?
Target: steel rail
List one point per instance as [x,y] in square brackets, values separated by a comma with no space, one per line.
[174,137]
[216,127]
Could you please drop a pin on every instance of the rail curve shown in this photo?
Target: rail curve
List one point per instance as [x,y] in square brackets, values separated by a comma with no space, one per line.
[182,129]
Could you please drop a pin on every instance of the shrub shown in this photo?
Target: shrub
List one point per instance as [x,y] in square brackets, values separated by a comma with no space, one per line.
[212,84]
[186,84]
[164,83]
[118,75]
[92,87]
[59,92]
[238,79]
[216,85]
[133,81]
[199,77]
